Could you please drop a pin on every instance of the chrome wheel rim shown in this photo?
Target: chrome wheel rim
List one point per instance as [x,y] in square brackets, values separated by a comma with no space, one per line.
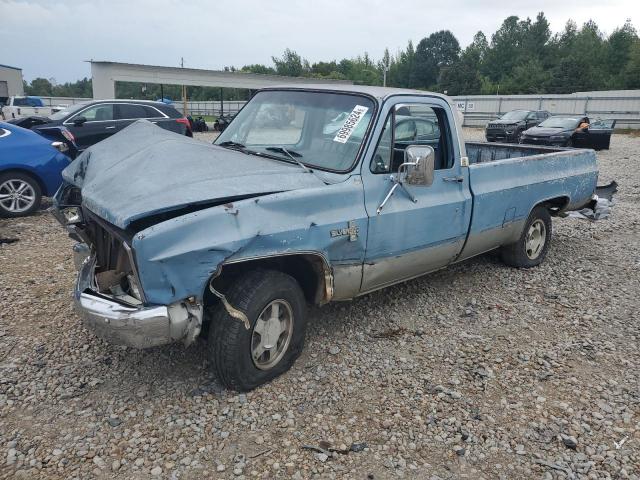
[272,334]
[17,196]
[536,238]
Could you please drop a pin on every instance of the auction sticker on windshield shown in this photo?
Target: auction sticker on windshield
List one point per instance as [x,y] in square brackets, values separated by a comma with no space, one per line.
[350,124]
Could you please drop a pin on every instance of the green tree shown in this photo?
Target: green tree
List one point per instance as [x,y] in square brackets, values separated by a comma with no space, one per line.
[291,64]
[258,68]
[439,50]
[41,87]
[463,76]
[619,46]
[630,75]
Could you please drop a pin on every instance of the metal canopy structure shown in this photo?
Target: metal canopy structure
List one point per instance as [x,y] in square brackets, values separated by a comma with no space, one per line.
[104,75]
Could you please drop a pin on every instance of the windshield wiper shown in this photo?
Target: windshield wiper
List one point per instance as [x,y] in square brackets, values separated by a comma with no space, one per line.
[234,145]
[292,155]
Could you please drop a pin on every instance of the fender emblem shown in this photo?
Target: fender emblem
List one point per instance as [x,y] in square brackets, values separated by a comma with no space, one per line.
[351,230]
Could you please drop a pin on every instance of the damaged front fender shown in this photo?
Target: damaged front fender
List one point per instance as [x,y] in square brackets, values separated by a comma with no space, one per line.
[178,257]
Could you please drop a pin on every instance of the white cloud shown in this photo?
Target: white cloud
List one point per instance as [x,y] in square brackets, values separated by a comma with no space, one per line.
[52,38]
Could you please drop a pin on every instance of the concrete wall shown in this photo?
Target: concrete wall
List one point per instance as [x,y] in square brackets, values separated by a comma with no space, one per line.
[621,105]
[13,77]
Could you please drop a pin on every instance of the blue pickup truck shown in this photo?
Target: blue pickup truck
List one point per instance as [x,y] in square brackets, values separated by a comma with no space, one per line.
[310,195]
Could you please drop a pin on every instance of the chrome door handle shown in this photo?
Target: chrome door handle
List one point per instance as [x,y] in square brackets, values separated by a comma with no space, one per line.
[109,128]
[453,179]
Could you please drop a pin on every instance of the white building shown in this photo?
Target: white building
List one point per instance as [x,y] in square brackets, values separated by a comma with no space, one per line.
[10,82]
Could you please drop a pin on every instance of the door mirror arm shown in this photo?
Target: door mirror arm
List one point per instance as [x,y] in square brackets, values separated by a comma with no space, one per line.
[418,168]
[396,183]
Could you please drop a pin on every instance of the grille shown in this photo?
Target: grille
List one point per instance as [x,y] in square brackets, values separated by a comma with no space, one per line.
[106,245]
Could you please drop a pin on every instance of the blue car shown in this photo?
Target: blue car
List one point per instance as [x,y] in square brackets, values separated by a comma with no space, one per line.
[30,167]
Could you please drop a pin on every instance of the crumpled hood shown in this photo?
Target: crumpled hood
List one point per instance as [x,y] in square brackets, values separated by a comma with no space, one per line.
[545,132]
[146,170]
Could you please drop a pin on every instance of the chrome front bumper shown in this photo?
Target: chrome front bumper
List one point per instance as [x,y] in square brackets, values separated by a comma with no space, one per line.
[133,326]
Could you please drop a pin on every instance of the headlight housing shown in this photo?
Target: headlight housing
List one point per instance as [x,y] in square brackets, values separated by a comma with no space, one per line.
[60,146]
[72,215]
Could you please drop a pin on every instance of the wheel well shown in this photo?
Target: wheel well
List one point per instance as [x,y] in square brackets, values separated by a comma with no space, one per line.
[43,188]
[555,205]
[311,271]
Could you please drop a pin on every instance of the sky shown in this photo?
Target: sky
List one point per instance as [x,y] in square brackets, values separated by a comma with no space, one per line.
[53,38]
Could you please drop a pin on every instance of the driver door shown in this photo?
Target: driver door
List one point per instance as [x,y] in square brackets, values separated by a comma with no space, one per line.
[406,238]
[531,120]
[599,134]
[99,125]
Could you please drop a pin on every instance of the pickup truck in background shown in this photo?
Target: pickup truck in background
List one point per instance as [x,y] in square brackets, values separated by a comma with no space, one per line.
[19,107]
[310,195]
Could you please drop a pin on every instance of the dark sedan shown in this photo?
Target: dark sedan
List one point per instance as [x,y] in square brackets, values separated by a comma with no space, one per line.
[571,131]
[510,126]
[91,122]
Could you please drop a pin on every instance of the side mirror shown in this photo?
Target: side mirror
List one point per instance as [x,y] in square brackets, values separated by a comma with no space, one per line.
[419,160]
[78,121]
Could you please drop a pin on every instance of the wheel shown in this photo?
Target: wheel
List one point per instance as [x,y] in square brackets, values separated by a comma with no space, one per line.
[533,244]
[20,194]
[519,137]
[275,305]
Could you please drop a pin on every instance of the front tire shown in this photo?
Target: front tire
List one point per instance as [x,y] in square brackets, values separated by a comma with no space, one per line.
[534,242]
[275,305]
[20,195]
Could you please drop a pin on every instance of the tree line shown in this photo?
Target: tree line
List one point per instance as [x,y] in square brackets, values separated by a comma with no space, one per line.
[522,57]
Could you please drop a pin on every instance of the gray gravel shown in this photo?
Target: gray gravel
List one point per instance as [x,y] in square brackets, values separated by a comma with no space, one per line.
[478,371]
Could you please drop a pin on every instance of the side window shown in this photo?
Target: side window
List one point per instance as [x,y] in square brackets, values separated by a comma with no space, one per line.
[20,102]
[97,113]
[151,112]
[405,130]
[414,125]
[128,111]
[381,161]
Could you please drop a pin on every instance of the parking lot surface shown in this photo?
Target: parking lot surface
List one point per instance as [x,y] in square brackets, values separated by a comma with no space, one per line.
[476,371]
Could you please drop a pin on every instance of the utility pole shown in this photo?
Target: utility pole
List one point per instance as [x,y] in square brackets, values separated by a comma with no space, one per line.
[385,69]
[184,92]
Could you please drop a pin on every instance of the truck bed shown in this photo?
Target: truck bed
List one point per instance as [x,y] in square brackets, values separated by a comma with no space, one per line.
[482,152]
[508,181]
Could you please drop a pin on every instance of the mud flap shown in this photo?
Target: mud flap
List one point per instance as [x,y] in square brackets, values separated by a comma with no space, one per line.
[600,205]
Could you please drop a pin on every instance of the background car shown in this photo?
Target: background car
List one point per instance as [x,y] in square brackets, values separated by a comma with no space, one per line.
[93,121]
[30,168]
[510,126]
[564,131]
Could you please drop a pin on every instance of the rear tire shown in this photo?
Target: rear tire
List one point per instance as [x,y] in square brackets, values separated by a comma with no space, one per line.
[20,195]
[276,308]
[534,242]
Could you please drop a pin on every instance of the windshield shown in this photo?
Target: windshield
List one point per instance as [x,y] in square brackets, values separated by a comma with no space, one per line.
[320,129]
[65,112]
[515,115]
[560,122]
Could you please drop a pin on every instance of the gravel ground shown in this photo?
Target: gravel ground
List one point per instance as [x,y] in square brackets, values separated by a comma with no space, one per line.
[478,371]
